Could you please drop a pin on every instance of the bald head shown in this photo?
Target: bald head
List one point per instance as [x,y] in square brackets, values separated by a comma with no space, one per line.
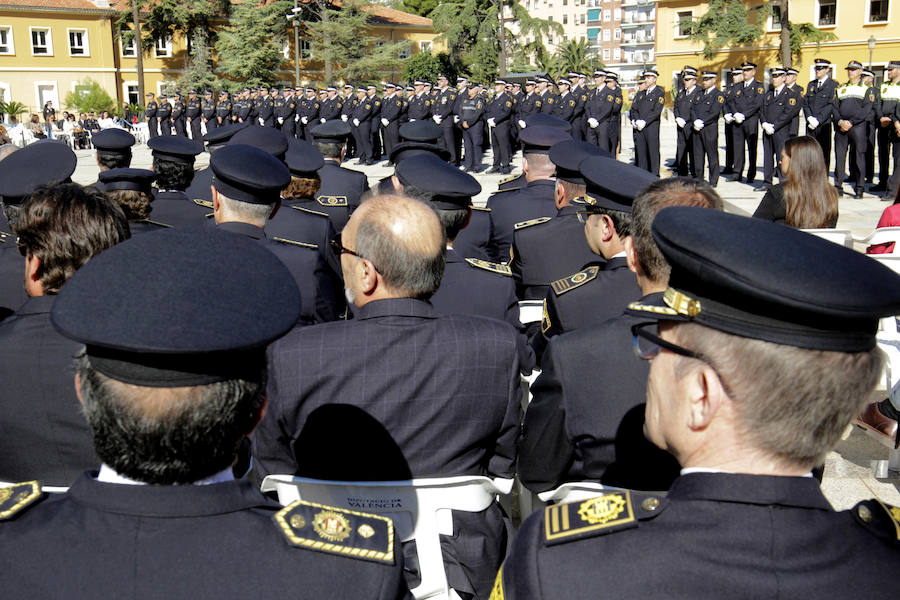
[403,240]
[7,149]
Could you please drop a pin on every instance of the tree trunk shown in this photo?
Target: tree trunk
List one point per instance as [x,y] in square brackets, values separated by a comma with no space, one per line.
[785,35]
[139,49]
[323,11]
[501,36]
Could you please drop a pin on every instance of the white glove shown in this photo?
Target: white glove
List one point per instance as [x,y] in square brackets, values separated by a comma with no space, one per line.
[321,120]
[345,117]
[640,124]
[356,122]
[297,118]
[412,120]
[680,122]
[436,119]
[739,117]
[491,122]
[522,124]
[261,121]
[698,124]
[812,122]
[729,117]
[456,118]
[281,120]
[304,120]
[385,122]
[594,123]
[768,128]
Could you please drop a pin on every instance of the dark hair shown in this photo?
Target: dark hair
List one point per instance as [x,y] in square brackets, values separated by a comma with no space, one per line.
[172,175]
[621,220]
[329,149]
[302,187]
[810,201]
[674,191]
[112,160]
[452,220]
[168,436]
[65,225]
[134,203]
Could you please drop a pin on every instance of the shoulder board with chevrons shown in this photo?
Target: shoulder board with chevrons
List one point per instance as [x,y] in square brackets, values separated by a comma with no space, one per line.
[332,200]
[493,267]
[206,203]
[530,222]
[17,497]
[561,286]
[295,243]
[338,531]
[309,210]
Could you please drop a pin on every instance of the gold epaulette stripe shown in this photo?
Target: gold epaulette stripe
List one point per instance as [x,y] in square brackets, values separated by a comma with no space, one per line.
[206,203]
[309,210]
[295,243]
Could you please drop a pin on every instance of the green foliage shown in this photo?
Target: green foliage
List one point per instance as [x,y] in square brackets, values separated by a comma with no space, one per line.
[575,55]
[135,109]
[340,38]
[250,49]
[13,108]
[726,23]
[803,33]
[427,66]
[198,74]
[89,96]
[418,7]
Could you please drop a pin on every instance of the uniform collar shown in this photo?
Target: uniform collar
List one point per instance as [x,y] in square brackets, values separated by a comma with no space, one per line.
[750,489]
[36,305]
[390,307]
[109,475]
[453,256]
[242,229]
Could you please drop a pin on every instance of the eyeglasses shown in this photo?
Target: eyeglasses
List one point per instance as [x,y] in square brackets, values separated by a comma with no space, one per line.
[584,215]
[338,247]
[648,345]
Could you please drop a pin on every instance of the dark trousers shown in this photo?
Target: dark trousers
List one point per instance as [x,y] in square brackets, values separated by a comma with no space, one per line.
[855,140]
[888,149]
[196,134]
[772,147]
[153,125]
[391,135]
[363,137]
[822,133]
[448,139]
[578,128]
[458,142]
[211,124]
[179,127]
[746,134]
[684,152]
[165,126]
[613,132]
[500,144]
[706,147]
[599,135]
[472,139]
[870,153]
[375,135]
[729,146]
[647,147]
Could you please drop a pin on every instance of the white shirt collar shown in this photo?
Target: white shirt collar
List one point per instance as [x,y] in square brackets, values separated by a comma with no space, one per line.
[689,470]
[108,475]
[779,88]
[617,255]
[650,89]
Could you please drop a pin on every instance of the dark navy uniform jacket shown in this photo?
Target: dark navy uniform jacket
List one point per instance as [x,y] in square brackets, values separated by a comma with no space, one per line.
[512,183]
[819,100]
[176,209]
[411,393]
[781,108]
[508,208]
[474,241]
[299,224]
[747,536]
[585,420]
[107,540]
[321,292]
[341,184]
[43,433]
[12,271]
[547,251]
[748,100]
[683,102]
[648,105]
[707,106]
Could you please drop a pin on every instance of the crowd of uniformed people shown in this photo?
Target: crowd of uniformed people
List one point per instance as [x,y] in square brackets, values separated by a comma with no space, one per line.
[273,313]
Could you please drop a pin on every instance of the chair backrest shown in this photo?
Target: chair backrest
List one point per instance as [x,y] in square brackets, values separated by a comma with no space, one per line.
[892,261]
[531,311]
[883,235]
[844,237]
[420,509]
[575,491]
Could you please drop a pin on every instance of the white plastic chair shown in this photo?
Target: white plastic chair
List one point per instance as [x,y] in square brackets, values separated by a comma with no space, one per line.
[420,509]
[575,491]
[141,132]
[844,237]
[882,235]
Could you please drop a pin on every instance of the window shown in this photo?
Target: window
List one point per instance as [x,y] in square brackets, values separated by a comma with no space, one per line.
[565,19]
[618,13]
[617,34]
[606,35]
[41,42]
[404,53]
[550,18]
[775,19]
[878,11]
[129,50]
[6,40]
[425,46]
[565,2]
[607,15]
[827,13]
[617,54]
[163,47]
[606,54]
[132,94]
[78,42]
[685,19]
[305,49]
[581,19]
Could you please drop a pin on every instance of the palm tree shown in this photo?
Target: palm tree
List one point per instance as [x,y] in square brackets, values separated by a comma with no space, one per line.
[574,55]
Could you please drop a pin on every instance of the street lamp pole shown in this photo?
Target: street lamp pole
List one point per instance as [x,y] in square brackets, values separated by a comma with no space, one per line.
[296,44]
[872,41]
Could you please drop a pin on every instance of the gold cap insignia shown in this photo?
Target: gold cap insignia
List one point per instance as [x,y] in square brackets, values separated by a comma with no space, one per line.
[601,510]
[682,303]
[650,504]
[331,526]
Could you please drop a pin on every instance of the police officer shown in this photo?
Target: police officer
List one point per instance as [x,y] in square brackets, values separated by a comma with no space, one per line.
[192,114]
[330,108]
[564,108]
[375,122]
[748,100]
[854,105]
[646,109]
[283,111]
[178,115]
[737,76]
[208,110]
[600,114]
[173,162]
[819,104]
[580,92]
[266,108]
[443,116]
[391,111]
[349,105]
[113,150]
[499,116]
[868,79]
[790,80]
[308,114]
[471,121]
[361,120]
[150,114]
[614,130]
[684,153]
[163,115]
[546,97]
[132,189]
[420,104]
[223,109]
[529,106]
[705,111]
[340,186]
[888,141]
[781,107]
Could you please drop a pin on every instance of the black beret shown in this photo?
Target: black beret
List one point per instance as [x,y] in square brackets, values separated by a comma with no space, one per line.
[405,150]
[268,139]
[178,307]
[113,141]
[420,131]
[450,187]
[333,131]
[567,156]
[127,179]
[40,163]
[175,148]
[303,158]
[248,174]
[760,280]
[221,135]
[612,184]
[537,139]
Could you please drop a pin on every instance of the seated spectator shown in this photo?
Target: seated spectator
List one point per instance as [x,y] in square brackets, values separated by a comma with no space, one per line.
[105,121]
[36,129]
[889,218]
[806,199]
[60,228]
[79,134]
[91,123]
[4,136]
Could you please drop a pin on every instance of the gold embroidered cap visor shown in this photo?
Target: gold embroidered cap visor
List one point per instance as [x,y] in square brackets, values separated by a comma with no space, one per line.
[764,281]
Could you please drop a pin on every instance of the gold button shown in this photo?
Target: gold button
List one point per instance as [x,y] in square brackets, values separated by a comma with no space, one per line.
[650,504]
[298,522]
[864,514]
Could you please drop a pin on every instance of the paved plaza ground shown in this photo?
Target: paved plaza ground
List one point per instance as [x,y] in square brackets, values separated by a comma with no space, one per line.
[848,473]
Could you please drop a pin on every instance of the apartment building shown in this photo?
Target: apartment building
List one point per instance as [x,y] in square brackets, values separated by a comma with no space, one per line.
[638,39]
[571,14]
[604,32]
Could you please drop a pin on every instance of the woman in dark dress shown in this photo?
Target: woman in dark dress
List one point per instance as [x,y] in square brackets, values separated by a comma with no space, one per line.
[804,199]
